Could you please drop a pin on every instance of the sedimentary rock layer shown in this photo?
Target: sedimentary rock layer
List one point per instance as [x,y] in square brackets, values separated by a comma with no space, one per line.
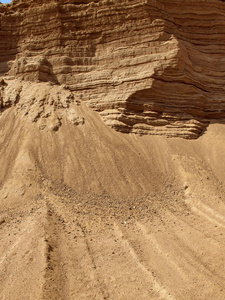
[148,67]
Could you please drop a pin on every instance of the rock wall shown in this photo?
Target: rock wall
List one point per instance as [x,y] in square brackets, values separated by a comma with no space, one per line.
[147,66]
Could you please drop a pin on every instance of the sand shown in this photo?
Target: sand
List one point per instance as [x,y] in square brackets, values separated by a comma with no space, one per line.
[90,213]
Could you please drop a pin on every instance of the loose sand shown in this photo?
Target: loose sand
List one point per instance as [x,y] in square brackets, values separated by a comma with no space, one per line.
[90,213]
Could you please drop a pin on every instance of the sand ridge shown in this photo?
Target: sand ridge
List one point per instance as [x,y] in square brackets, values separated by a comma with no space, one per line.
[153,230]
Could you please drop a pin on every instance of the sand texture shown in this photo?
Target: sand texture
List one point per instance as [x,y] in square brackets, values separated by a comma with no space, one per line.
[112,150]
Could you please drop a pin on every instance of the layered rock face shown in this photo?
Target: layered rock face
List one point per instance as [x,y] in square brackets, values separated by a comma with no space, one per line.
[148,67]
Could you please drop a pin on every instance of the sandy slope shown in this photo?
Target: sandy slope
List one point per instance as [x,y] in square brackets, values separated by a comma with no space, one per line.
[90,213]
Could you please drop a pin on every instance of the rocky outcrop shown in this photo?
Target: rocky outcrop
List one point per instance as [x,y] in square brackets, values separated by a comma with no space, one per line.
[148,67]
[43,103]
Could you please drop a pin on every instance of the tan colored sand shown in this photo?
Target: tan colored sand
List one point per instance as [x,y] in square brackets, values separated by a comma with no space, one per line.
[90,213]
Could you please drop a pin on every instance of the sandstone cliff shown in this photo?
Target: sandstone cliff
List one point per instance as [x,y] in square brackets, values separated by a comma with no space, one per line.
[86,211]
[148,67]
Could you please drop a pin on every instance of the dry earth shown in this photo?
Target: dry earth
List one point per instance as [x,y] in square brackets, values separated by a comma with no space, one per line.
[90,212]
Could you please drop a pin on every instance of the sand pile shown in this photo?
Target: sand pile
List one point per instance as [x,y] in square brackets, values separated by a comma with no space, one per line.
[112,150]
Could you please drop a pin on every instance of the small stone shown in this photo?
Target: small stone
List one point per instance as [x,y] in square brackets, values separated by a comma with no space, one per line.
[2,221]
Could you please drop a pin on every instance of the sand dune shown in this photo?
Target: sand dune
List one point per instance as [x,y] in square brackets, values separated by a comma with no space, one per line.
[112,146]
[90,213]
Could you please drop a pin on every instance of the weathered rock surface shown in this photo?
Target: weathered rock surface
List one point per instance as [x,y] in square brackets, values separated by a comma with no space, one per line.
[87,212]
[147,66]
[43,103]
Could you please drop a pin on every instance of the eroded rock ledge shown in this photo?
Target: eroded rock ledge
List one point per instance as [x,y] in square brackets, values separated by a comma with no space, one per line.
[148,67]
